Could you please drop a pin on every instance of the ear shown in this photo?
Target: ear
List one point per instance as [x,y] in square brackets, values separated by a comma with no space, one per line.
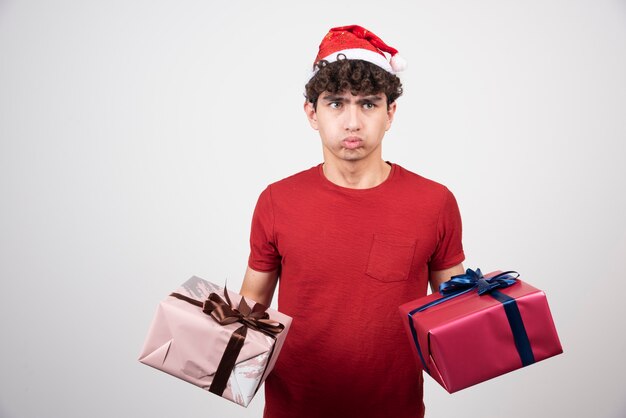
[311,114]
[391,111]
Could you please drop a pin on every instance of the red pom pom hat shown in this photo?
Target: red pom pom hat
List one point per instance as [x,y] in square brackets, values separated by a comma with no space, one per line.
[356,42]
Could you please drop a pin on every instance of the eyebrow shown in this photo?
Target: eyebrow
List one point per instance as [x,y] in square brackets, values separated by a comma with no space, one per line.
[342,99]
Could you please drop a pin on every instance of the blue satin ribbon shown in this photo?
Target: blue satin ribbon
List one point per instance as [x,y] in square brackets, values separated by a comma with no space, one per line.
[465,283]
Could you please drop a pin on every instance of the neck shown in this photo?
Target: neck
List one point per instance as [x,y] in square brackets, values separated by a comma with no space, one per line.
[356,174]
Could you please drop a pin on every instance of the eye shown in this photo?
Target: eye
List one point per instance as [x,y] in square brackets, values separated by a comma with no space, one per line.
[368,106]
[334,105]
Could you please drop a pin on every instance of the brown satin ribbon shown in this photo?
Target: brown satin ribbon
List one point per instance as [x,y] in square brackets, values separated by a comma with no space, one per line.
[224,313]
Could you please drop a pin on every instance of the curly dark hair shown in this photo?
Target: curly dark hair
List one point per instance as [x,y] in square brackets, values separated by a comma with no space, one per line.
[357,76]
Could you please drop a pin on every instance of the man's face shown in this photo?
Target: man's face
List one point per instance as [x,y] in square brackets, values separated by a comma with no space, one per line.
[351,127]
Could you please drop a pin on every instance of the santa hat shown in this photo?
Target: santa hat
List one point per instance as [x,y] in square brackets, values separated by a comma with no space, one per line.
[356,42]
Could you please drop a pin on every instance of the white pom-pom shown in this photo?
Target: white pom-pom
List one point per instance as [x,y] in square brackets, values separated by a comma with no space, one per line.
[398,63]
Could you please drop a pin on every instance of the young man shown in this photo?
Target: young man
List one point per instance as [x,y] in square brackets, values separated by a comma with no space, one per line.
[350,239]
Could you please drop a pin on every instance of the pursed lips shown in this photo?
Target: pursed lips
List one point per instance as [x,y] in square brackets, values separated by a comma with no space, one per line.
[351,142]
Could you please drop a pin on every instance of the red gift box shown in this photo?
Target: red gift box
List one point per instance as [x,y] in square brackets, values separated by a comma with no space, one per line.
[472,337]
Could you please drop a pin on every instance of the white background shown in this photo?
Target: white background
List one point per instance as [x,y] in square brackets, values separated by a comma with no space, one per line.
[135,137]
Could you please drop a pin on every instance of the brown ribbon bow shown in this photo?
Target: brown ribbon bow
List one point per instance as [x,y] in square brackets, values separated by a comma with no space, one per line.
[224,313]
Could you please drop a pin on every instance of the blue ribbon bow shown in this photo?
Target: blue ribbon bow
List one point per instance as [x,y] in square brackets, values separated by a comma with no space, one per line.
[472,279]
[464,283]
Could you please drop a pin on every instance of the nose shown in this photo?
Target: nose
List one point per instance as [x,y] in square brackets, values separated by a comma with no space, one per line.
[352,118]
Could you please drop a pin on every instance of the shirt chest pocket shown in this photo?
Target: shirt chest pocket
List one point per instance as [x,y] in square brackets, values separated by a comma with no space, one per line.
[390,258]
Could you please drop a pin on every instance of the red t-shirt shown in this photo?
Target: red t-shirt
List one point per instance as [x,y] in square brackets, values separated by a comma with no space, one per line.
[348,258]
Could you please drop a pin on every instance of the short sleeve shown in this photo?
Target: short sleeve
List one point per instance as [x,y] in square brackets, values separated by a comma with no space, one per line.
[449,250]
[264,255]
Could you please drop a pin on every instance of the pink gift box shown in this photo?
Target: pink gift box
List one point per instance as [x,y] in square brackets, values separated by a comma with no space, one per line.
[469,339]
[190,344]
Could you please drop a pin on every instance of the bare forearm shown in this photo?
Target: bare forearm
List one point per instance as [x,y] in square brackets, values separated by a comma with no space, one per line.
[259,286]
[440,276]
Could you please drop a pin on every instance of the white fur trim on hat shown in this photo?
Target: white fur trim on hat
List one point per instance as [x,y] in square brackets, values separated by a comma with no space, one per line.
[358,54]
